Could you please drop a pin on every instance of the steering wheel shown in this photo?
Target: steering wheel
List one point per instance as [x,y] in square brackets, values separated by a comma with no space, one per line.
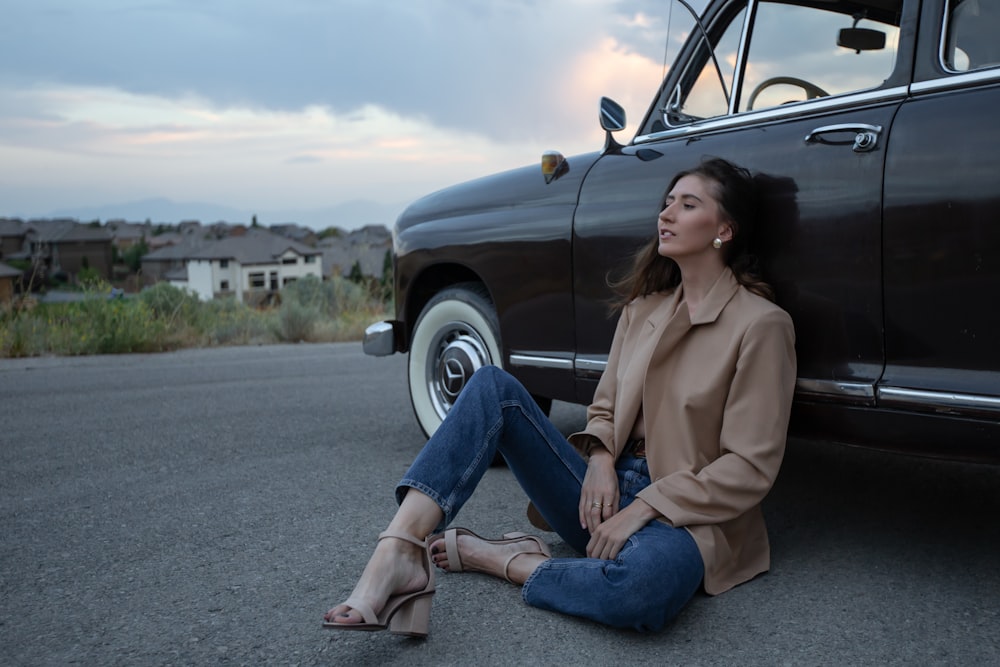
[812,91]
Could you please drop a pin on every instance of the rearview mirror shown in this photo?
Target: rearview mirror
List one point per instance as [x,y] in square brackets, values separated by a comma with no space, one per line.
[861,39]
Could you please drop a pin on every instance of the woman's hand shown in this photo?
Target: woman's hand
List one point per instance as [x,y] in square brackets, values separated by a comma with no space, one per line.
[608,538]
[599,495]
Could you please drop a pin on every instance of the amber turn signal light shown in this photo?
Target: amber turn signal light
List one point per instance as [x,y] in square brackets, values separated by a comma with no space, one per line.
[554,165]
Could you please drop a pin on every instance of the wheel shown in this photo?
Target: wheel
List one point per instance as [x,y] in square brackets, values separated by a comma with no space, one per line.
[811,90]
[456,334]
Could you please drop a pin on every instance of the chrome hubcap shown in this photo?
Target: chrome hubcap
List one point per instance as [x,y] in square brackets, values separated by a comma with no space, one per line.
[462,353]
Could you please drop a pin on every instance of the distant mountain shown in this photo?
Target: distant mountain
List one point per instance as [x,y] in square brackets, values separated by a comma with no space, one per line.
[347,215]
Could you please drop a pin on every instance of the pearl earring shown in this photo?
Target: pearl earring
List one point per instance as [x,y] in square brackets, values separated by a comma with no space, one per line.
[717,243]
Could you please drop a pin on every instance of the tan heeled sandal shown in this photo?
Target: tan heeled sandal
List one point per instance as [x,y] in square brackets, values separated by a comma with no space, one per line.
[404,614]
[455,559]
[510,559]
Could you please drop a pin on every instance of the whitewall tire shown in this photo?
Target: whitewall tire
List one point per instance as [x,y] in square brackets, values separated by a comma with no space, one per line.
[457,332]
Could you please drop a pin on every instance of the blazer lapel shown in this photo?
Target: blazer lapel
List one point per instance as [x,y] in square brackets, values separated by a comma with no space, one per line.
[666,320]
[671,334]
[722,293]
[676,328]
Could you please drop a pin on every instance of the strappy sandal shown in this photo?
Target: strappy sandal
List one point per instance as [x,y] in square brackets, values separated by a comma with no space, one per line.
[404,614]
[455,559]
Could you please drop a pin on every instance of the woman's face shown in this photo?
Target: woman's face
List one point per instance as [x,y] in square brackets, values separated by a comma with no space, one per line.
[691,220]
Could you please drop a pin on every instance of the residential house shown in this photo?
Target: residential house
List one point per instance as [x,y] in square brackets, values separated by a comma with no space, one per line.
[166,239]
[296,232]
[252,267]
[8,276]
[12,232]
[126,235]
[169,261]
[66,246]
[366,246]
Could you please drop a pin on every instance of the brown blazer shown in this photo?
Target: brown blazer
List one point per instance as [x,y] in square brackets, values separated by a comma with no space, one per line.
[716,392]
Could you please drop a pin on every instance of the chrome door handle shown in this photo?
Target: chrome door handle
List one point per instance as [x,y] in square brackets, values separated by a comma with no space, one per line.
[865,136]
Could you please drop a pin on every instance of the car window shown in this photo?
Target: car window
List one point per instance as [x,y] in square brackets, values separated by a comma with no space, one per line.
[706,97]
[796,51]
[800,52]
[971,29]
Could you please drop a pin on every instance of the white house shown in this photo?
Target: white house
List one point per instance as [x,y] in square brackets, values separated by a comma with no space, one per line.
[249,267]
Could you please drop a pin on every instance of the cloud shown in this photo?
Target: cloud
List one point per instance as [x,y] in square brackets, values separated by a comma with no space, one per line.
[304,159]
[469,65]
[190,150]
[304,102]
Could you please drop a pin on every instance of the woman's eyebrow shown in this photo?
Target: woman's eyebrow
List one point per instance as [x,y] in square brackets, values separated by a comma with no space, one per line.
[683,196]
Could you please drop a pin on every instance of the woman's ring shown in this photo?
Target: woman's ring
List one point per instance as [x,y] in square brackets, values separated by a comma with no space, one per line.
[596,504]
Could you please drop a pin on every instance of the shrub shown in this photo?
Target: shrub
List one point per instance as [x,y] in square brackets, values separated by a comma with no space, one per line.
[88,277]
[297,321]
[308,291]
[232,323]
[172,303]
[102,326]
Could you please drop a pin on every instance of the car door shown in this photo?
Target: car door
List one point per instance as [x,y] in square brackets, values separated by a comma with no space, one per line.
[810,118]
[942,231]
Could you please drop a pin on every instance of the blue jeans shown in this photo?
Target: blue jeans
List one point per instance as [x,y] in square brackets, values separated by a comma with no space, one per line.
[655,574]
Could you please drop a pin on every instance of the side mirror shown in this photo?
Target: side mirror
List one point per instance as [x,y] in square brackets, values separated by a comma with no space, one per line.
[612,115]
[861,39]
[612,120]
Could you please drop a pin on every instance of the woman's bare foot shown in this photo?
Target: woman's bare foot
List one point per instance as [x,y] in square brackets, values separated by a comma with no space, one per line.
[396,567]
[509,559]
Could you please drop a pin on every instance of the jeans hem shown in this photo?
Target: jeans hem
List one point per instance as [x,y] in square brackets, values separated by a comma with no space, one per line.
[531,577]
[446,508]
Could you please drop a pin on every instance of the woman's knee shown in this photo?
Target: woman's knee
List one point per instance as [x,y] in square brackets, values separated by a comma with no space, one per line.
[493,374]
[505,384]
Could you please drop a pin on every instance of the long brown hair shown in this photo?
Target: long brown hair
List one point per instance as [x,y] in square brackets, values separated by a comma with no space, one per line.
[736,194]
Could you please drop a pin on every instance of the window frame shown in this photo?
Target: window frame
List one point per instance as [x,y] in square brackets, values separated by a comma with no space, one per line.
[946,20]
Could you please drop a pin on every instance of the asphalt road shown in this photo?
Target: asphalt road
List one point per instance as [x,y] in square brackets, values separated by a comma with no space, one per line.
[207,506]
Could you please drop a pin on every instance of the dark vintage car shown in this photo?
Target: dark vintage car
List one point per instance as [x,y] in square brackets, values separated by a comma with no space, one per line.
[873,130]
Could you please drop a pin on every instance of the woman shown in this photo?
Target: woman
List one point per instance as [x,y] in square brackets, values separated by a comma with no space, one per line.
[683,440]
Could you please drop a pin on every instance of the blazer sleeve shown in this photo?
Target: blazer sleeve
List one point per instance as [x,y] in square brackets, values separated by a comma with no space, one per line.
[753,432]
[601,412]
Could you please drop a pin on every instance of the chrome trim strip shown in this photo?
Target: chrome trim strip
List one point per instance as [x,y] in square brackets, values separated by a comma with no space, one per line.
[741,55]
[592,365]
[938,401]
[956,81]
[536,361]
[943,43]
[943,37]
[586,365]
[784,111]
[836,389]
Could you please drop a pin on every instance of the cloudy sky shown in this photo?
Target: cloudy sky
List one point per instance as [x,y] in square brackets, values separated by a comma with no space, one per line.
[286,108]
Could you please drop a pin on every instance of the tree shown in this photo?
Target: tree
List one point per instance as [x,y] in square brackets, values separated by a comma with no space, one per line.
[133,256]
[356,276]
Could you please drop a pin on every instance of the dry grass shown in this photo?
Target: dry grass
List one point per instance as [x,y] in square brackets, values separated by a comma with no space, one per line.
[167,318]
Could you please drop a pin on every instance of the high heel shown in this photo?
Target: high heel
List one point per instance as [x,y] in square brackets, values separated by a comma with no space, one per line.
[455,559]
[403,614]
